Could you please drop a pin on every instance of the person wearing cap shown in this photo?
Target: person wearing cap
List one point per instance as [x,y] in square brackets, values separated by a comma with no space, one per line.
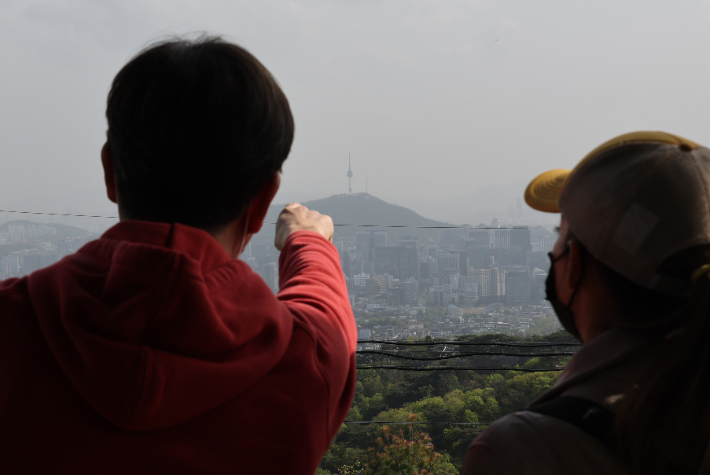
[629,279]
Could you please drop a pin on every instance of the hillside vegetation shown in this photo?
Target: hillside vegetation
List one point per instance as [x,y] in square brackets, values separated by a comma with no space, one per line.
[436,396]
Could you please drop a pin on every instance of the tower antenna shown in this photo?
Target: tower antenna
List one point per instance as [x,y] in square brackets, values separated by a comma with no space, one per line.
[350,176]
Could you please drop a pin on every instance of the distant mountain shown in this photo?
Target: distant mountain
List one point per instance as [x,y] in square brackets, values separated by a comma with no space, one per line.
[359,209]
[63,230]
[362,208]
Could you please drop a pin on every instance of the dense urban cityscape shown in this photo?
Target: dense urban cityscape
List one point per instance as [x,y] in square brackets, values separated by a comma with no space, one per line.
[487,278]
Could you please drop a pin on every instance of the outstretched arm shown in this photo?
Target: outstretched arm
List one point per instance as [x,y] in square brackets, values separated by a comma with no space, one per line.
[309,269]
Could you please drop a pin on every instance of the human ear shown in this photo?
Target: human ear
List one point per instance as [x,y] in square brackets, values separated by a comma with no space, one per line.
[575,263]
[260,204]
[109,176]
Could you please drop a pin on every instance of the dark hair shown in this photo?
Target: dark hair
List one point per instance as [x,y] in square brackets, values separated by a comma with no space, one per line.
[663,425]
[196,128]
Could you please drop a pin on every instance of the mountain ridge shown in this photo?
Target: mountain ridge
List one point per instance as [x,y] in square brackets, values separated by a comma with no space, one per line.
[367,210]
[63,230]
[361,212]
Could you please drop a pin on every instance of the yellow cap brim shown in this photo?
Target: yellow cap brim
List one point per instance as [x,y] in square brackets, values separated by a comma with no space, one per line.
[543,192]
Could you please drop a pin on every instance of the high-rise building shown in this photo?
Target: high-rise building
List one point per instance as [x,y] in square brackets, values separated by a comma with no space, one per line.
[365,242]
[481,279]
[489,282]
[408,241]
[469,287]
[481,237]
[479,257]
[497,282]
[463,262]
[13,261]
[520,237]
[408,264]
[386,260]
[361,279]
[517,285]
[400,262]
[270,273]
[451,236]
[500,238]
[408,292]
[447,262]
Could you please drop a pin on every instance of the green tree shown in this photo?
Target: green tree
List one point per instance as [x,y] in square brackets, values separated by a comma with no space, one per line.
[411,454]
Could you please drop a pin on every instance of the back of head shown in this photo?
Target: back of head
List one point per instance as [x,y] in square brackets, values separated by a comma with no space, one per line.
[195,128]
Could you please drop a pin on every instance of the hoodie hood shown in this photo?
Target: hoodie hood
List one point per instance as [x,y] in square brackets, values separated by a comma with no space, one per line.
[155,324]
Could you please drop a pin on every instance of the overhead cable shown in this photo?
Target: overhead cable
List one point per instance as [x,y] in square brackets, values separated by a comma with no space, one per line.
[455,368]
[420,423]
[460,355]
[59,214]
[264,222]
[465,343]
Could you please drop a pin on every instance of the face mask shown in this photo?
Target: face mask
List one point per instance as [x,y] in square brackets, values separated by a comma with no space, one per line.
[564,312]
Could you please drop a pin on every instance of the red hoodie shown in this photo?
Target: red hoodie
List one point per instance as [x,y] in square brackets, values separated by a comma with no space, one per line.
[151,351]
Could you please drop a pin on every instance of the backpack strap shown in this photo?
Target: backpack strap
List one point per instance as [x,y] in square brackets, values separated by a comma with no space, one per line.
[584,414]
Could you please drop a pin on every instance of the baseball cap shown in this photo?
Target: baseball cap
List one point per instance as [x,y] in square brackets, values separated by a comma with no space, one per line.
[634,201]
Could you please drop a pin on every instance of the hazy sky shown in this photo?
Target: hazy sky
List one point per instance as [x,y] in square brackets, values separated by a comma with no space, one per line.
[433,98]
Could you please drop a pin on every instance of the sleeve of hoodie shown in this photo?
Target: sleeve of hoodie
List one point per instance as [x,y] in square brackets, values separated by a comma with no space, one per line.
[313,287]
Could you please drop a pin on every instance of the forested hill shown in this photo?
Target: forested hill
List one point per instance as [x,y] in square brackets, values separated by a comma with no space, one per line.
[363,208]
[63,230]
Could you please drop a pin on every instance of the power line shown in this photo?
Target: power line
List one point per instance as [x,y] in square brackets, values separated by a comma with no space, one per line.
[455,368]
[58,214]
[460,355]
[265,222]
[421,423]
[404,226]
[465,343]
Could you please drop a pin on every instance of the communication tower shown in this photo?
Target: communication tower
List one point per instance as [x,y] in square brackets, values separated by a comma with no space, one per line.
[350,177]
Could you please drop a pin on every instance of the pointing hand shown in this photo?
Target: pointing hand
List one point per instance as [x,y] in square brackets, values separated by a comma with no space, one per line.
[296,217]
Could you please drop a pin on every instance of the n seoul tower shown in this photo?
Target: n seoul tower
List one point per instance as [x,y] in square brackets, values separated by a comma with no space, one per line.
[350,177]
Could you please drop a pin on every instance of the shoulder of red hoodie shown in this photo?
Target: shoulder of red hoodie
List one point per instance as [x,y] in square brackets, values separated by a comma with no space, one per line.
[153,337]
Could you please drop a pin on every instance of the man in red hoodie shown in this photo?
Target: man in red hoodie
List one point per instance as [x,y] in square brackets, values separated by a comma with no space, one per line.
[153,349]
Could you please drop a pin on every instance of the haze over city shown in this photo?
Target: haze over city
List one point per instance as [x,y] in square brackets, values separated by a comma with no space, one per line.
[434,100]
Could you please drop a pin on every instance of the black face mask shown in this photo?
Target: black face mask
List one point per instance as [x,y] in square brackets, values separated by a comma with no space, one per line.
[564,312]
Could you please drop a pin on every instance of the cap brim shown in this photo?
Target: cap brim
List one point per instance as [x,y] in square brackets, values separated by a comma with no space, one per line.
[543,192]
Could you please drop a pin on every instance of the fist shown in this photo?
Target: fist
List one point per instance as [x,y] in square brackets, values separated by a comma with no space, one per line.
[296,217]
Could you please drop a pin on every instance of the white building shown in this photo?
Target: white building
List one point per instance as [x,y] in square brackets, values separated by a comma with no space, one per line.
[361,279]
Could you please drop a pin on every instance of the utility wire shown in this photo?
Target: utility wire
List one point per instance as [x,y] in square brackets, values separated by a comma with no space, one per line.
[403,226]
[460,355]
[265,222]
[465,343]
[455,368]
[421,423]
[58,214]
